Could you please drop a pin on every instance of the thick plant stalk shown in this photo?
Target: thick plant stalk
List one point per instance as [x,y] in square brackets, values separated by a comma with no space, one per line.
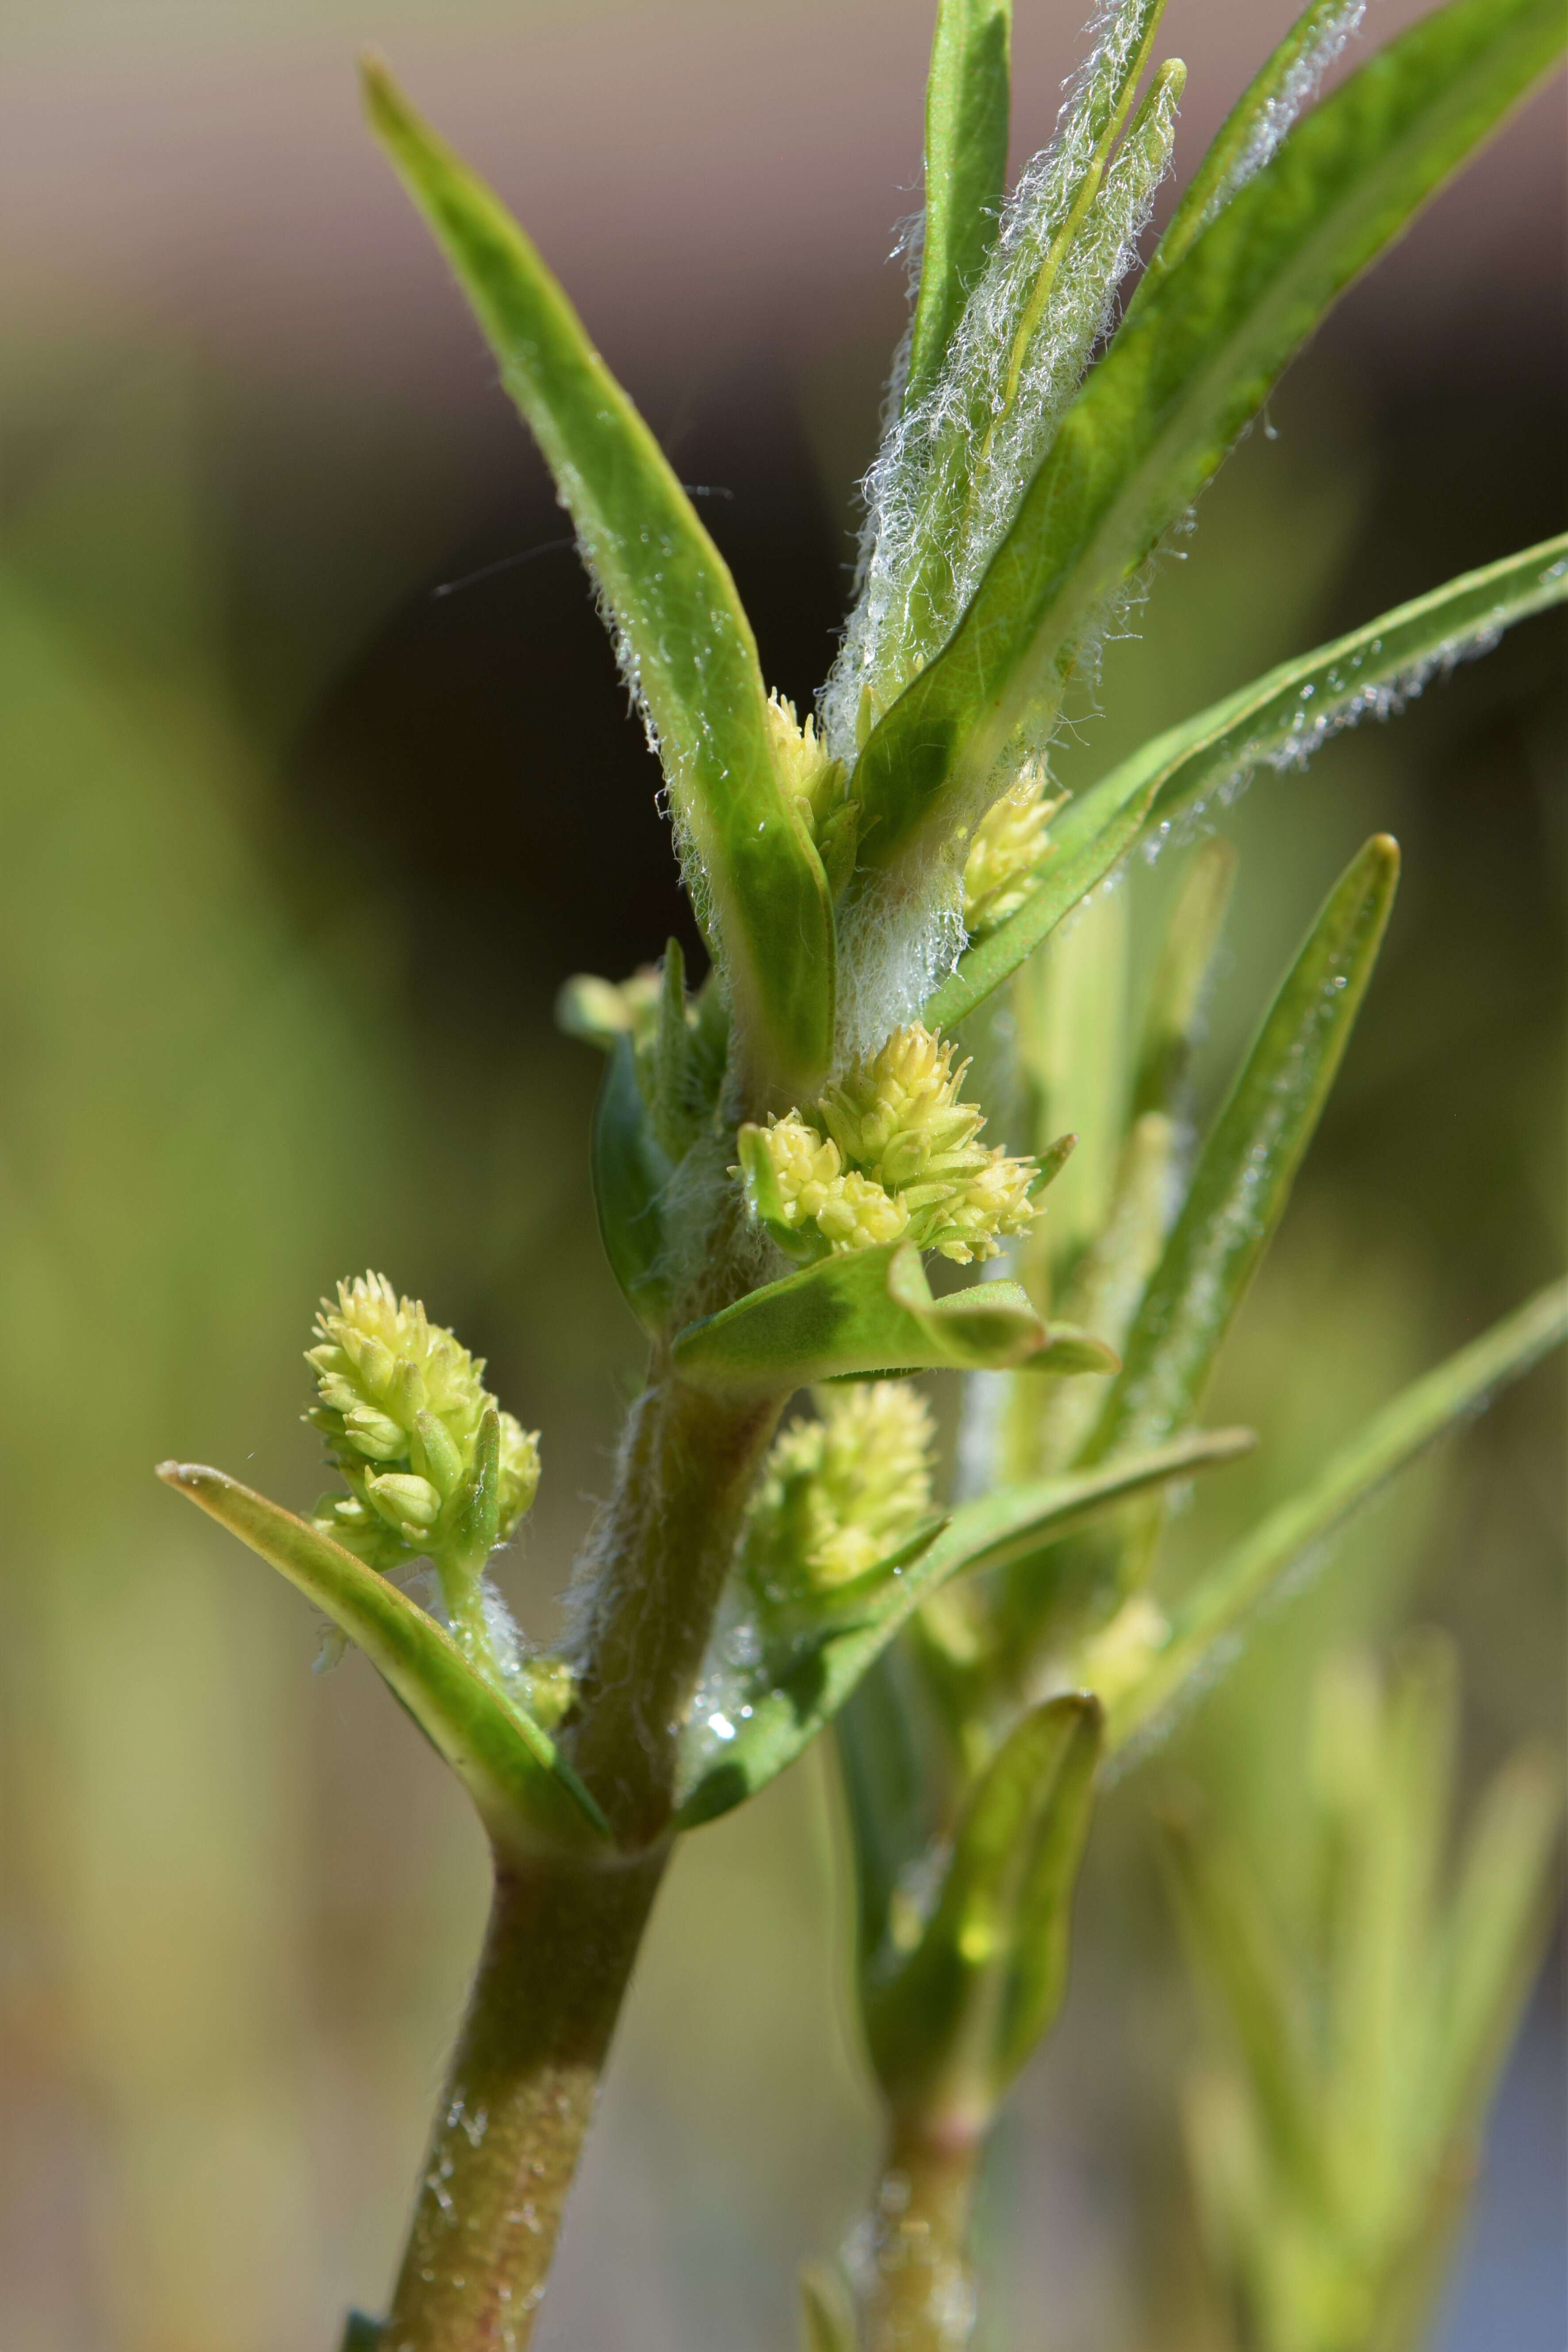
[917,2291]
[563,1935]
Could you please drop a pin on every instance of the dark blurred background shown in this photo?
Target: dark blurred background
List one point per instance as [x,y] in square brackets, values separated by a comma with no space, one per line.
[317,781]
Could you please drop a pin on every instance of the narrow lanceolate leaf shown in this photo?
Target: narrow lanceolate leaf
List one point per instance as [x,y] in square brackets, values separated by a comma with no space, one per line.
[527,1796]
[1181,980]
[1188,369]
[684,637]
[1235,1948]
[949,2027]
[1290,1535]
[1277,721]
[873,1311]
[966,102]
[1248,1164]
[771,1714]
[1496,1930]
[629,1173]
[1255,126]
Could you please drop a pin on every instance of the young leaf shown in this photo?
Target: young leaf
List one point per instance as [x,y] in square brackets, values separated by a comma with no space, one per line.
[1499,1923]
[1295,1530]
[1234,1947]
[950,2027]
[871,1311]
[967,100]
[629,1174]
[1181,978]
[1277,721]
[727,1757]
[1179,383]
[1248,1164]
[685,641]
[527,1796]
[1254,126]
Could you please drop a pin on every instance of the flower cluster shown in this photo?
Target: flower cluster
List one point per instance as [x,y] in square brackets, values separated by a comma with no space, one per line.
[404,1410]
[900,1155]
[841,1492]
[1011,843]
[819,785]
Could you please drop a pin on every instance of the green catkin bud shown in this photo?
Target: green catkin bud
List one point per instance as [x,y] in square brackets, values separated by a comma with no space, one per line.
[403,1406]
[841,1492]
[1011,844]
[901,1155]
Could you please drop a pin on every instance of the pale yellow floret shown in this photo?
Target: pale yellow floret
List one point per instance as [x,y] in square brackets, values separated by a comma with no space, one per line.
[807,769]
[901,1155]
[841,1492]
[1011,844]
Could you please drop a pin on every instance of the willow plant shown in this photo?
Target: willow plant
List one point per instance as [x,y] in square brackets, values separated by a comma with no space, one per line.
[787,1160]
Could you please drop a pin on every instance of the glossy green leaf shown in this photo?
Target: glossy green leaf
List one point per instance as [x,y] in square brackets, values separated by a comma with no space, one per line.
[1249,1163]
[1188,369]
[760,1718]
[1292,1532]
[630,1176]
[527,1796]
[966,102]
[949,2026]
[869,1311]
[685,641]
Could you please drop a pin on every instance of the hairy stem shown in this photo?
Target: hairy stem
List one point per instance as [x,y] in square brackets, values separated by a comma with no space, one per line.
[917,2294]
[563,1937]
[517,2101]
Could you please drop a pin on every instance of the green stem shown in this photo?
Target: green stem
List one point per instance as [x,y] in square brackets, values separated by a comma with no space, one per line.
[918,2295]
[563,1937]
[517,2101]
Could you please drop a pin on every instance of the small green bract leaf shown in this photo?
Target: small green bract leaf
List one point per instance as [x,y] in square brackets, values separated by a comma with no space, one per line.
[756,881]
[527,1796]
[950,2023]
[873,1311]
[629,1174]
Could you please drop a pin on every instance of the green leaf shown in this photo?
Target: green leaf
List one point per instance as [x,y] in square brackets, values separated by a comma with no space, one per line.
[1235,1947]
[1282,718]
[1277,721]
[1249,1163]
[1496,1929]
[1181,978]
[967,100]
[760,1718]
[361,2334]
[1314,35]
[870,1311]
[527,1796]
[630,1176]
[685,641]
[1292,1532]
[950,2027]
[1188,369]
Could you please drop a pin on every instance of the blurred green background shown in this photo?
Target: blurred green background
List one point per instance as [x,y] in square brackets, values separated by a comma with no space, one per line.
[298,846]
